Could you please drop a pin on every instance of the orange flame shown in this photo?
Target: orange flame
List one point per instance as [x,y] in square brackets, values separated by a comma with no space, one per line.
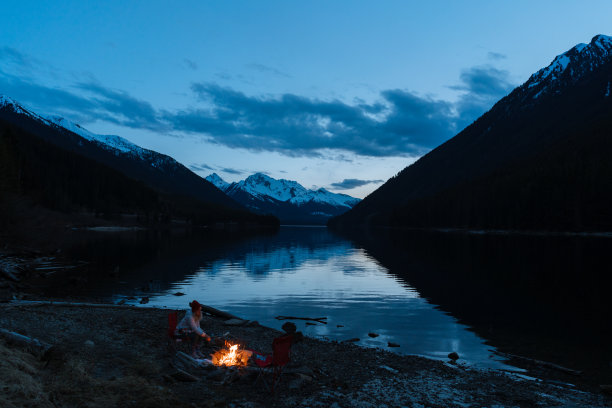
[231,356]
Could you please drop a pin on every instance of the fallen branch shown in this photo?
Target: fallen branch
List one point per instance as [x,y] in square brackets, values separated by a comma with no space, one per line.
[541,363]
[314,319]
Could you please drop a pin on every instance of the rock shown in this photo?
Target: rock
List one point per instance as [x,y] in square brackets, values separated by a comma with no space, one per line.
[121,302]
[89,343]
[299,381]
[289,327]
[144,300]
[184,376]
[391,344]
[216,375]
[353,340]
[606,388]
[235,322]
[453,356]
[179,294]
[373,335]
[339,325]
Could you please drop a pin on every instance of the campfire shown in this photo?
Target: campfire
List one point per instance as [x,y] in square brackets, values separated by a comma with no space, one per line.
[231,355]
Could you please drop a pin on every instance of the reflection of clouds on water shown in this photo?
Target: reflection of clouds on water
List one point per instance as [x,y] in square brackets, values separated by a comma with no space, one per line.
[333,279]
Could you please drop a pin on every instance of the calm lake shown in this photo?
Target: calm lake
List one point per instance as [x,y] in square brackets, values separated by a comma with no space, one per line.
[430,292]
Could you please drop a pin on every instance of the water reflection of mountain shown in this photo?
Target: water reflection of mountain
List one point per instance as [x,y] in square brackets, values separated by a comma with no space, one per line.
[153,261]
[537,295]
[286,251]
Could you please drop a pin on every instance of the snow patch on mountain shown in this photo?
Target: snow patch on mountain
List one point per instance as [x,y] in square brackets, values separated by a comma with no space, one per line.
[115,144]
[113,141]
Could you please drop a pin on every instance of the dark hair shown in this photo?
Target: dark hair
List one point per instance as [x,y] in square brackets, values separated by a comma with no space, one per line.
[195,305]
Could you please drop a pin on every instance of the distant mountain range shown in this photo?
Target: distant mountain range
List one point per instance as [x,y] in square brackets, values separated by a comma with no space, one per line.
[538,160]
[288,200]
[60,164]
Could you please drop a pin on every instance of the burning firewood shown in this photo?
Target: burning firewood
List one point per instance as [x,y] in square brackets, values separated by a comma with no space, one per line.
[231,355]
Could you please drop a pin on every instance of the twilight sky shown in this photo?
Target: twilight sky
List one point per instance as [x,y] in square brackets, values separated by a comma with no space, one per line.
[334,94]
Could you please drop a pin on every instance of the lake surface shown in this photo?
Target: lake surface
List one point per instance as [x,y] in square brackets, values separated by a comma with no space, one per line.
[431,293]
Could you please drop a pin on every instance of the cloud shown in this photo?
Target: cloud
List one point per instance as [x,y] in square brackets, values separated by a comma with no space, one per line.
[348,184]
[398,123]
[267,70]
[297,126]
[482,86]
[201,167]
[484,81]
[121,108]
[11,55]
[85,103]
[230,170]
[190,64]
[496,56]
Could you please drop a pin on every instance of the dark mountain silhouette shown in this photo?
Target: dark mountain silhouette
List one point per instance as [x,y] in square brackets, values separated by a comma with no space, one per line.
[47,167]
[538,160]
[157,170]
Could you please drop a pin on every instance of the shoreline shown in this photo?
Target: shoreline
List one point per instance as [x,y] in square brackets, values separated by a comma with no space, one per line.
[325,372]
[114,347]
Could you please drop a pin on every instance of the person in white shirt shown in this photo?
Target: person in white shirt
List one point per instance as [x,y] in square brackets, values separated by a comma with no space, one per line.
[190,326]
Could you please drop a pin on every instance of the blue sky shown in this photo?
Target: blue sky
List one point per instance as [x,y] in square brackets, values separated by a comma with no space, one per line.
[334,94]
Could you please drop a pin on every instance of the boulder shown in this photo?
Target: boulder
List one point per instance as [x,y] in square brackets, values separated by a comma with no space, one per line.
[453,356]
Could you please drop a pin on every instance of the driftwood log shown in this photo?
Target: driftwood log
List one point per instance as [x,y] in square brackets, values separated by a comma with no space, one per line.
[8,271]
[15,303]
[541,363]
[39,347]
[184,376]
[314,319]
[218,313]
[19,303]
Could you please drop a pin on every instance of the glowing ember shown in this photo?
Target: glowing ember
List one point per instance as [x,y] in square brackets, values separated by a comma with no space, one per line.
[231,356]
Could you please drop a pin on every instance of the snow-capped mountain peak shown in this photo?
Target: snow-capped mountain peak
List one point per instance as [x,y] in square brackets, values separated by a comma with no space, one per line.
[217,181]
[8,102]
[260,185]
[261,188]
[115,144]
[571,65]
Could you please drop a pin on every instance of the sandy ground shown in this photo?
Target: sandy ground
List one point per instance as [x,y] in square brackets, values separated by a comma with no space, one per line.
[118,357]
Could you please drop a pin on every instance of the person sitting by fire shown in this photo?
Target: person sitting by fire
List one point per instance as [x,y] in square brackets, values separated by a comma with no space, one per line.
[190,327]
